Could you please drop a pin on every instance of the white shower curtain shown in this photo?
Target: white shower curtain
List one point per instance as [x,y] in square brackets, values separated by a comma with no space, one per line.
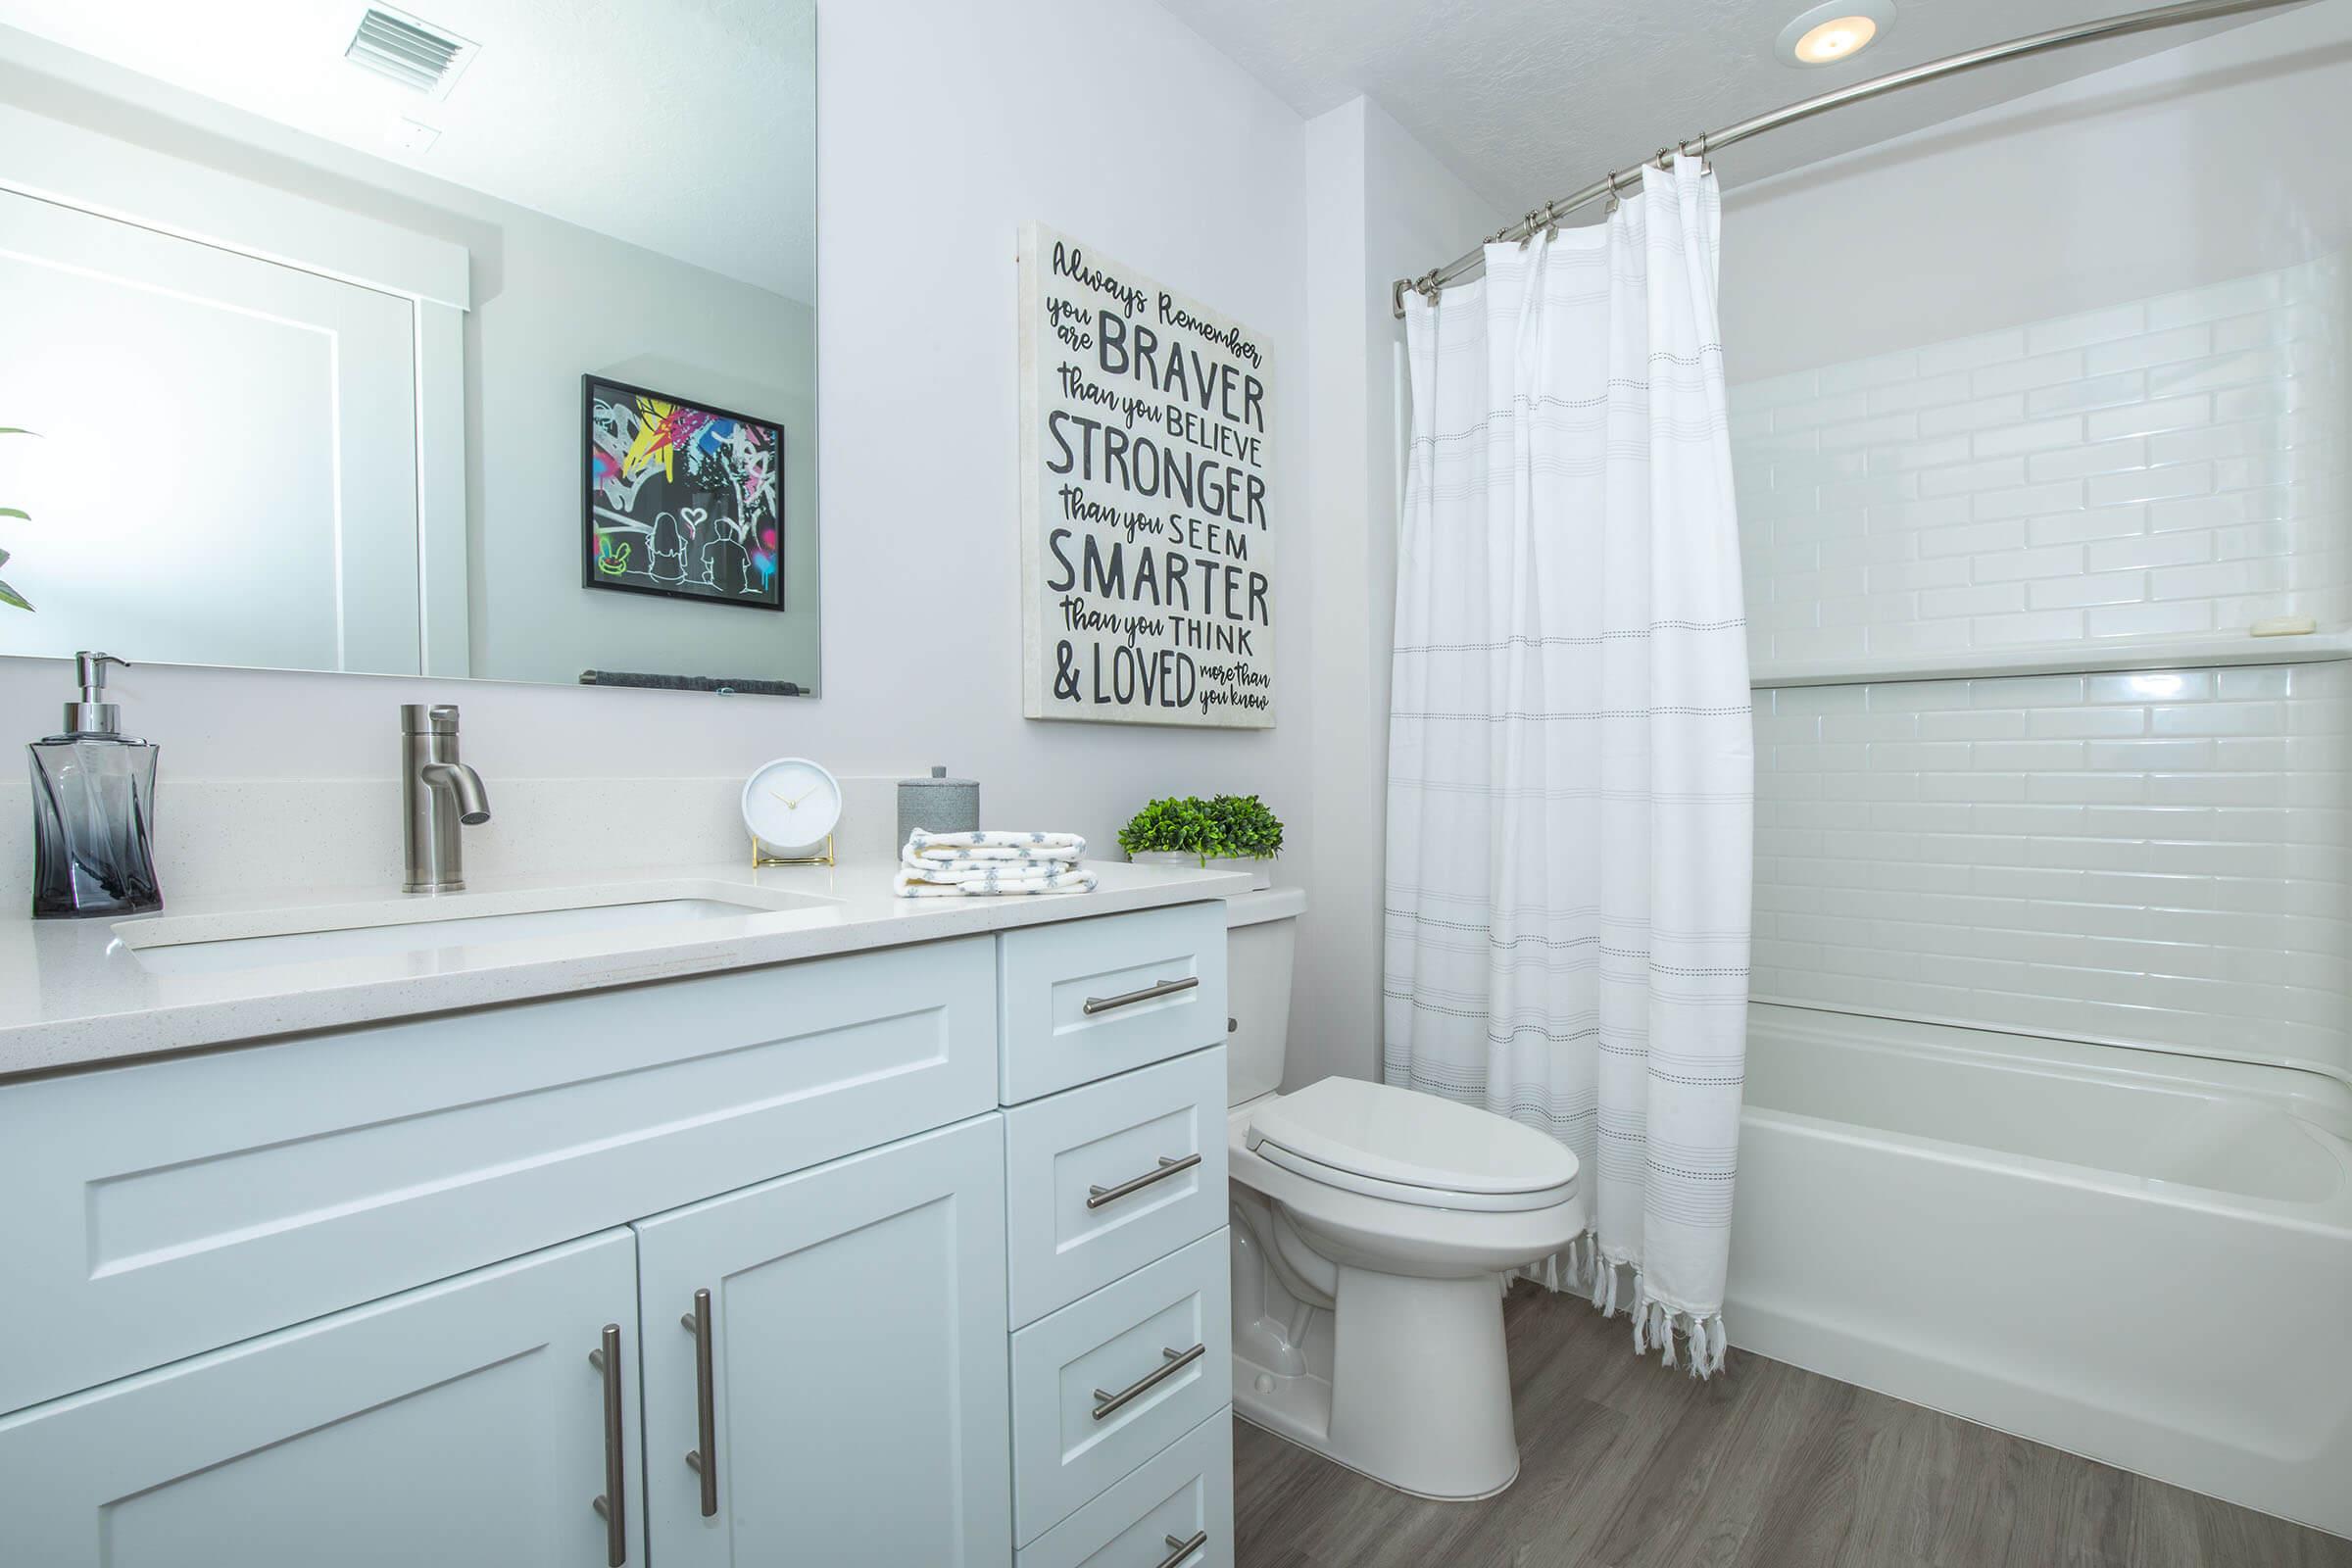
[1571,768]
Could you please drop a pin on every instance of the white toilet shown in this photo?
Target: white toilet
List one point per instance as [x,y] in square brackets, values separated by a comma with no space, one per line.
[1373,1230]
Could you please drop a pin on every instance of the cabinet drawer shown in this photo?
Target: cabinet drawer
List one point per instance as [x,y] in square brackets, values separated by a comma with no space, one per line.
[1103,1179]
[1181,1496]
[1087,999]
[158,1210]
[1109,1381]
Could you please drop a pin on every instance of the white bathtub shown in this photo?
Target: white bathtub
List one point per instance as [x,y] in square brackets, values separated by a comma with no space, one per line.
[2141,1257]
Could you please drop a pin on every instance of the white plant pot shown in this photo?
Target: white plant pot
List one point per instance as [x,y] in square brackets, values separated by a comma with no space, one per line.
[1164,858]
[1260,871]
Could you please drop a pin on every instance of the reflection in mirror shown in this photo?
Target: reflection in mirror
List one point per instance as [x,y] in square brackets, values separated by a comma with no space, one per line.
[470,341]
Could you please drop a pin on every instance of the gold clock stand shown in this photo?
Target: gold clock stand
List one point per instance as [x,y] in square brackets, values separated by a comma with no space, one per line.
[760,858]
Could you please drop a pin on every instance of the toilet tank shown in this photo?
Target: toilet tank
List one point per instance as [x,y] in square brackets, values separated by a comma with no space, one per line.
[1262,934]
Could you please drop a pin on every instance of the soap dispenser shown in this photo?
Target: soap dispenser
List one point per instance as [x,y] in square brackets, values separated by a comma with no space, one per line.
[93,810]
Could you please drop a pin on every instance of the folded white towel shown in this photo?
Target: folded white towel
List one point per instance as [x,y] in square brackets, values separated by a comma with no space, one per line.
[935,854]
[911,885]
[960,872]
[982,861]
[995,845]
[933,865]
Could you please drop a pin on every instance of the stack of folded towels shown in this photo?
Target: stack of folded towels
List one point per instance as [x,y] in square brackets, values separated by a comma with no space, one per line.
[946,866]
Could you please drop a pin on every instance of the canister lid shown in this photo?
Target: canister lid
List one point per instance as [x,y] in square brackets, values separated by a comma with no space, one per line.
[938,780]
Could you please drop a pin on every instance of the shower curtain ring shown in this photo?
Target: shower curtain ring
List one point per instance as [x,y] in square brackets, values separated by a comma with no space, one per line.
[1614,202]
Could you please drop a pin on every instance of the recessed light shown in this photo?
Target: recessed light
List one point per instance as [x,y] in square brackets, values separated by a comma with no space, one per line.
[1838,30]
[1835,41]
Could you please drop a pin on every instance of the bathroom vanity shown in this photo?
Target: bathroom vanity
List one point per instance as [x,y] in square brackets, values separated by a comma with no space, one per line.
[804,1225]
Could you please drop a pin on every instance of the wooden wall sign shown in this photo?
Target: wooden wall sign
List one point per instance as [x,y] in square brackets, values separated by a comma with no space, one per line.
[1149,504]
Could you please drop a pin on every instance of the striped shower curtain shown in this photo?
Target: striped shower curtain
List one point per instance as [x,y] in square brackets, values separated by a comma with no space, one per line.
[1571,768]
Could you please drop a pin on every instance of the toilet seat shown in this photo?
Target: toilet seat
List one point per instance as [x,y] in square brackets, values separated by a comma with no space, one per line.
[1409,1147]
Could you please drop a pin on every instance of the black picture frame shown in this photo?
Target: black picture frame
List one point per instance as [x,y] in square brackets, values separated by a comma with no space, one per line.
[703,534]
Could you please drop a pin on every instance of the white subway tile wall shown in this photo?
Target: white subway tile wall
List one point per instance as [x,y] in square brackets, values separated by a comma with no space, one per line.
[2169,467]
[2160,859]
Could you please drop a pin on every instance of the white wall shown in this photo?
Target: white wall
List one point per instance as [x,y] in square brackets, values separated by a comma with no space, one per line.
[941,128]
[1380,206]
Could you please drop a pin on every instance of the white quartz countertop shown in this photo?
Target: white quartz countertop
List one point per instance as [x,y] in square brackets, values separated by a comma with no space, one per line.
[76,993]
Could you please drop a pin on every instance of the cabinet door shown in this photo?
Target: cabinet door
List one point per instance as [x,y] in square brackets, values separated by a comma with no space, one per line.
[854,1341]
[461,1423]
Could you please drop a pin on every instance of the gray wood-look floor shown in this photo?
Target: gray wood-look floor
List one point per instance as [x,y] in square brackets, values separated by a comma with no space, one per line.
[1625,1464]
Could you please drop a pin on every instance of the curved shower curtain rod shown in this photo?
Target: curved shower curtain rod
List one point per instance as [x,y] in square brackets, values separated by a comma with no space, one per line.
[1548,215]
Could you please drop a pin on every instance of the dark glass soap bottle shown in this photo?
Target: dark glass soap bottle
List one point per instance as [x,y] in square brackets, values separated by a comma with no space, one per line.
[93,810]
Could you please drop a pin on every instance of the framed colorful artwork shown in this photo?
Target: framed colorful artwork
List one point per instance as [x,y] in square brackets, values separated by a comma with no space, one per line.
[679,498]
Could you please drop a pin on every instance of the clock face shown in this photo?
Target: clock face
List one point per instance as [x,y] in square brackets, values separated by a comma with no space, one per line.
[791,804]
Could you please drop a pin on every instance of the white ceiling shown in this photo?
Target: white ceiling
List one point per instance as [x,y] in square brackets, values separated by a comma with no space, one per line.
[1531,99]
[687,126]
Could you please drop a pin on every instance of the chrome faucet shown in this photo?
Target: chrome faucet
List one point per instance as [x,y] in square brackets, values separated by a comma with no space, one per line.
[437,793]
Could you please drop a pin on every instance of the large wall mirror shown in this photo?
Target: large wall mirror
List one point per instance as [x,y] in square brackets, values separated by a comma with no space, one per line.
[474,340]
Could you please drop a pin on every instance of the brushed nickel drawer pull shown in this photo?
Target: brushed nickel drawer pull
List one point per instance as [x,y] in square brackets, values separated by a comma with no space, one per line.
[1097,1197]
[1128,999]
[1180,1549]
[703,1458]
[612,1505]
[1175,1362]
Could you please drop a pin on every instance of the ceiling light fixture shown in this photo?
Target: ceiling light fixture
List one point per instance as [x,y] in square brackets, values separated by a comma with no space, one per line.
[1838,30]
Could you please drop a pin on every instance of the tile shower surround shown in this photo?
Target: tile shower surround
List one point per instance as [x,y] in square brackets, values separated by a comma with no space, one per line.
[2161,859]
[2151,858]
[2167,467]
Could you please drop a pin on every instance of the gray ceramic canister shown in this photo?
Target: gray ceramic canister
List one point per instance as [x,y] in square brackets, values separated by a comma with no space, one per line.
[938,805]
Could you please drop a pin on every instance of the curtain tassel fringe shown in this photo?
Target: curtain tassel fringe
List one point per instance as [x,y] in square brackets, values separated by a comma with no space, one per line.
[1581,1267]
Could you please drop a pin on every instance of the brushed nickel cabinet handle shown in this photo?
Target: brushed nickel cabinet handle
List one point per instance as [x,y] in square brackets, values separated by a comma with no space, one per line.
[612,1505]
[1178,1550]
[1175,1362]
[703,1458]
[1128,999]
[1097,1197]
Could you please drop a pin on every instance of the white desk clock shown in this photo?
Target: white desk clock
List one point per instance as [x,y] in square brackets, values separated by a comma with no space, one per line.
[791,806]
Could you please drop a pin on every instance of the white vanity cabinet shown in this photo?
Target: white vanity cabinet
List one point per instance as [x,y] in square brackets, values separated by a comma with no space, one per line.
[394,1294]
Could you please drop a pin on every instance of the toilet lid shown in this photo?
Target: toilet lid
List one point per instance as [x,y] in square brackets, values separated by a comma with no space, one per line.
[1403,1140]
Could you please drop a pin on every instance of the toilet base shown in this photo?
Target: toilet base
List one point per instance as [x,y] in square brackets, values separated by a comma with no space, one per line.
[1260,1419]
[1419,1396]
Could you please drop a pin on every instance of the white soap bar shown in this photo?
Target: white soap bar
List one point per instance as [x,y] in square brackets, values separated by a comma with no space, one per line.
[2284,626]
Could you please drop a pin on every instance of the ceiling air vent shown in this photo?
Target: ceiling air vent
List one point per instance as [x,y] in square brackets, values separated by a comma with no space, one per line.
[417,55]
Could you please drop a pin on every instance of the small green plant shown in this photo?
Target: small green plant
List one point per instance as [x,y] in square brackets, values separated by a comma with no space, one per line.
[1246,828]
[1172,827]
[8,595]
[1230,826]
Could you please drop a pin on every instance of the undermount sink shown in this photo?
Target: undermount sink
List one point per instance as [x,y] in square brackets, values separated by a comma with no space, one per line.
[221,944]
